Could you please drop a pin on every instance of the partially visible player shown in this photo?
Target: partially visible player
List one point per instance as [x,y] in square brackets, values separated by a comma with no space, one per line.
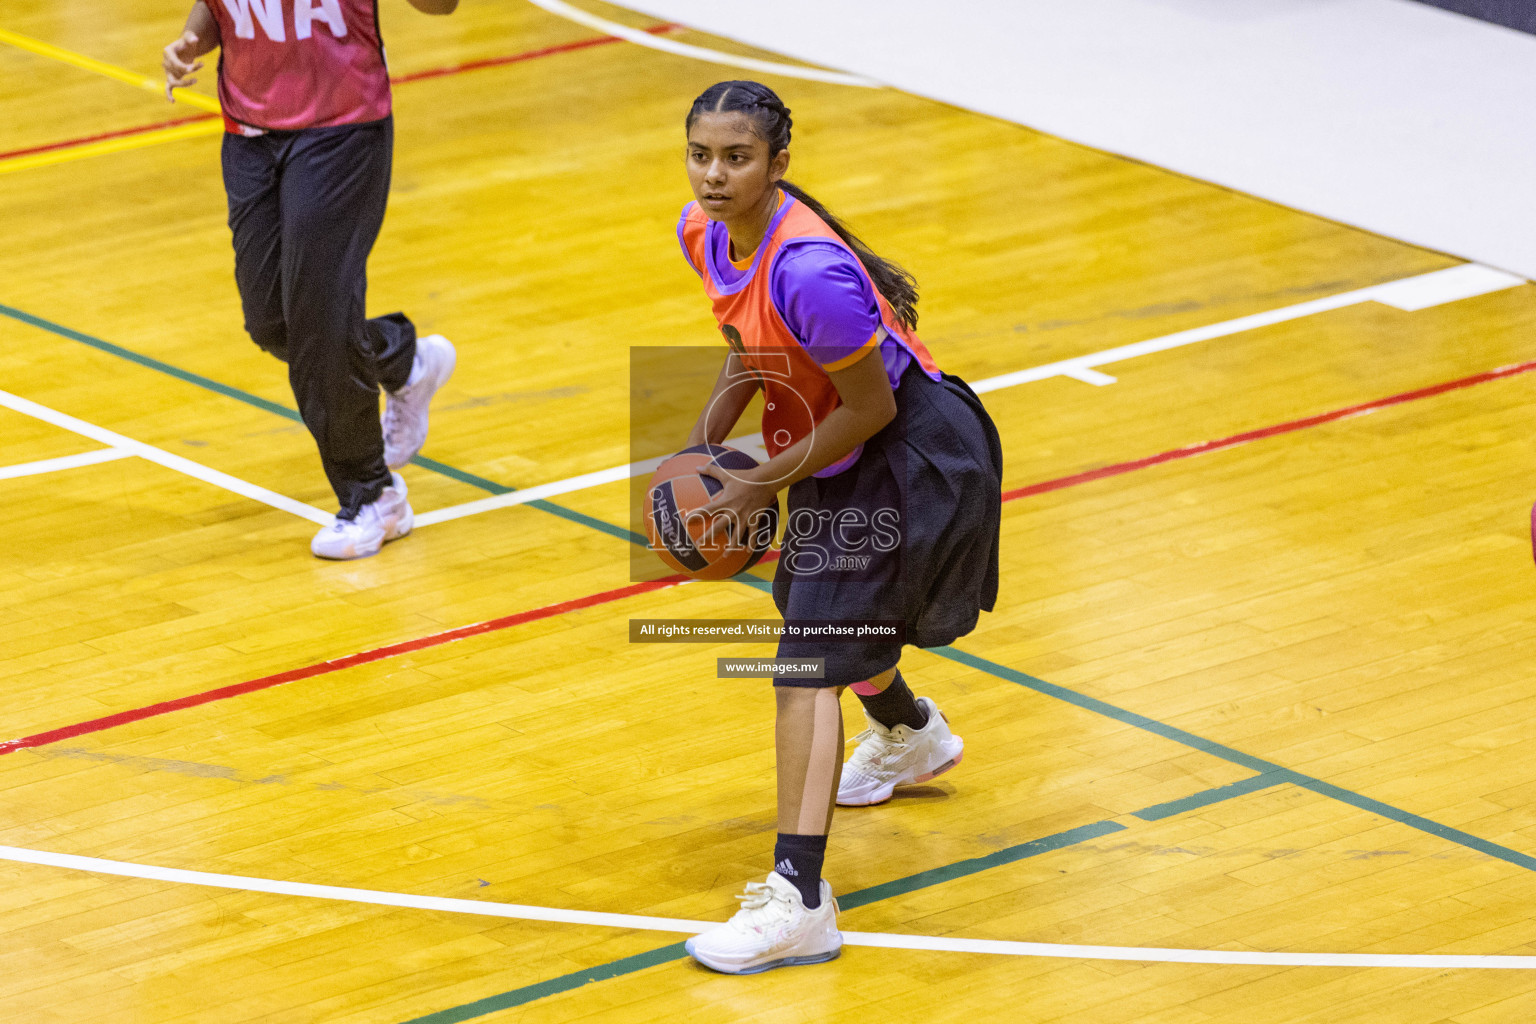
[307,154]
[894,474]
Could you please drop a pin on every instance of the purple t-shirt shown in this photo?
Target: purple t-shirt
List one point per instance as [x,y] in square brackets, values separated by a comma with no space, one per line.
[826,300]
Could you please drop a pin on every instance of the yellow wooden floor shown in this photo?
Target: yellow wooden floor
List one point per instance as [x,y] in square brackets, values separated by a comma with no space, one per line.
[1351,602]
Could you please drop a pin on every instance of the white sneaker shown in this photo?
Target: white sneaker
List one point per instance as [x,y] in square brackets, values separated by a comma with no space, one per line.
[772,929]
[900,756]
[385,519]
[405,411]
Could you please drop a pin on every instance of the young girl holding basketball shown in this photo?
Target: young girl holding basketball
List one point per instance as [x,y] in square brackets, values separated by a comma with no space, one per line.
[893,471]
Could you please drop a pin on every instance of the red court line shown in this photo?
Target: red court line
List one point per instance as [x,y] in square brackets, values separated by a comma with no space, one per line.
[608,596]
[1191,450]
[415,76]
[517,58]
[335,665]
[120,133]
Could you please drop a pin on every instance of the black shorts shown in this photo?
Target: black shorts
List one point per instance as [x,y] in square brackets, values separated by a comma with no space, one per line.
[908,534]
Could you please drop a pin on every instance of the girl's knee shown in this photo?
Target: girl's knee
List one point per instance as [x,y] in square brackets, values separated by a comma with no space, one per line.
[270,336]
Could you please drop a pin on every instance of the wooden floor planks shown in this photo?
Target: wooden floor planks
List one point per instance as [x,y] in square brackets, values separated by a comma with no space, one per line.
[1350,601]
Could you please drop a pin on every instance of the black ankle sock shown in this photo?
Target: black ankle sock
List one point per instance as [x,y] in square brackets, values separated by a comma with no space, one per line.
[798,859]
[895,706]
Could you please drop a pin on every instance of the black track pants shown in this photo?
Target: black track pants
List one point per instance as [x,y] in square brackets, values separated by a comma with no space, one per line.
[305,208]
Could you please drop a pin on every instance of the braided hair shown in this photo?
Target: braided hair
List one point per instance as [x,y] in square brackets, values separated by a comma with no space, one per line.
[771,123]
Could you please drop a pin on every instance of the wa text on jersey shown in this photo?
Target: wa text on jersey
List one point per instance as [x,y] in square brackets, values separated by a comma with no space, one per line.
[271,16]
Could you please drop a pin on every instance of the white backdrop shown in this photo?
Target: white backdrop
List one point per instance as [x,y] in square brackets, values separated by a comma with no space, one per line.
[1389,115]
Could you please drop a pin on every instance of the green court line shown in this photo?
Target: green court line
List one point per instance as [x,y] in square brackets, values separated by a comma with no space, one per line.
[959,869]
[1269,774]
[266,405]
[863,897]
[1158,812]
[481,482]
[1265,768]
[554,986]
[150,362]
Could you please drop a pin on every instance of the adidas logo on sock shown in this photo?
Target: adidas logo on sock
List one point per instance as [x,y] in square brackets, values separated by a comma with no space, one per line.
[785,868]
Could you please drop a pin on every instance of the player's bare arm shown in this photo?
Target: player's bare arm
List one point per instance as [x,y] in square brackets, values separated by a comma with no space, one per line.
[180,58]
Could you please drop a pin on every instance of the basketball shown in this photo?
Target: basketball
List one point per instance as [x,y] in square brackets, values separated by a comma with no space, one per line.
[676,528]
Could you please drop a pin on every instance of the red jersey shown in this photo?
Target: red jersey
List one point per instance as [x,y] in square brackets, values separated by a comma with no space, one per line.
[290,64]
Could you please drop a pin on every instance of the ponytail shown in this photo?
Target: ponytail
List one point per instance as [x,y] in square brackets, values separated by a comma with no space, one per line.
[897,285]
[771,122]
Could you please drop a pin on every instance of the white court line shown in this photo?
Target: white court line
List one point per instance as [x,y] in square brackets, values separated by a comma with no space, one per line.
[349,895]
[752,444]
[63,462]
[1153,954]
[536,493]
[565,10]
[164,458]
[882,940]
[1411,293]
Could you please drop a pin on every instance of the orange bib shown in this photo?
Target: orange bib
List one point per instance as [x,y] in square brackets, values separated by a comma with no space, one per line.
[797,392]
